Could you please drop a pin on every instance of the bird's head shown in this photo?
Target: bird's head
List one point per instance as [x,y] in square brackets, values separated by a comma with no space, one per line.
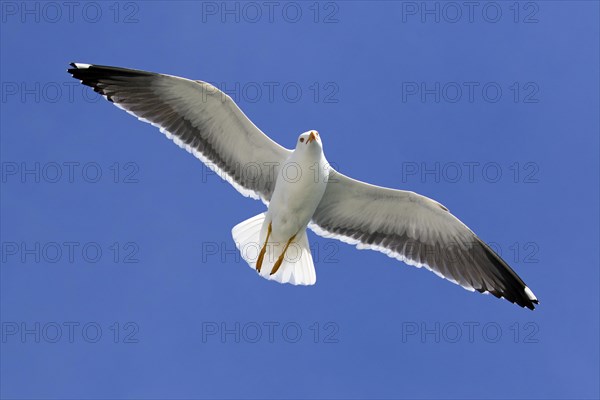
[309,140]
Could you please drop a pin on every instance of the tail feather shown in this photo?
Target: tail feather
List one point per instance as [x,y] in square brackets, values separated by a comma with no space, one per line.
[297,267]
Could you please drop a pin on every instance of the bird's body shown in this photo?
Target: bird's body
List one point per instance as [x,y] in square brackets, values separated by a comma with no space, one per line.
[299,187]
[302,190]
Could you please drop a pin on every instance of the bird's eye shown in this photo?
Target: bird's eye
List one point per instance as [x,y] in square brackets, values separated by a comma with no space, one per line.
[301,140]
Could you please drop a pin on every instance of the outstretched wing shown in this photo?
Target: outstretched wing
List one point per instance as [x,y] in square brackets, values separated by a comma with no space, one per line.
[199,118]
[418,231]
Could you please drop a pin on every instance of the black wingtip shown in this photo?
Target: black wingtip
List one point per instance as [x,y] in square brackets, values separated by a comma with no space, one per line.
[74,68]
[514,289]
[526,303]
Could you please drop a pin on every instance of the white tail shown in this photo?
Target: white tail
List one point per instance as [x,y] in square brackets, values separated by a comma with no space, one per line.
[297,267]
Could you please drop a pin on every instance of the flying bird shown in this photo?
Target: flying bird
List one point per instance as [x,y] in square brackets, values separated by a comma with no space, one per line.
[301,190]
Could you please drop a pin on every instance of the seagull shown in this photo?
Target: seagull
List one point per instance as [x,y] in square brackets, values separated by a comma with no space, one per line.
[301,190]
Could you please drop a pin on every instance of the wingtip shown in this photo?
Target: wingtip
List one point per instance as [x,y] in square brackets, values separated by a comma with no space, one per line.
[530,295]
[532,299]
[77,65]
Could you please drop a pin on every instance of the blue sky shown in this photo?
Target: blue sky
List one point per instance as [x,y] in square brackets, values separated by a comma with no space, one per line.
[118,275]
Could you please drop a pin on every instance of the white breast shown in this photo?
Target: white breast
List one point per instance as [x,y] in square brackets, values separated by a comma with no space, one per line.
[299,188]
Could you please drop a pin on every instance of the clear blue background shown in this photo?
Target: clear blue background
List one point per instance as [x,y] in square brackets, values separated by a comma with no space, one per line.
[177,208]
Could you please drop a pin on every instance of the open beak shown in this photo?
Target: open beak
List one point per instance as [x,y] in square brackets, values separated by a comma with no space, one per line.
[312,137]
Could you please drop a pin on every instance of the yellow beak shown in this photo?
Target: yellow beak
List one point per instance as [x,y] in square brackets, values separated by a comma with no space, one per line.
[312,137]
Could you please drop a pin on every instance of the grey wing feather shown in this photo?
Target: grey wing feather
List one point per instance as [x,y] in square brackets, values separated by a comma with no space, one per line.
[418,231]
[199,118]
